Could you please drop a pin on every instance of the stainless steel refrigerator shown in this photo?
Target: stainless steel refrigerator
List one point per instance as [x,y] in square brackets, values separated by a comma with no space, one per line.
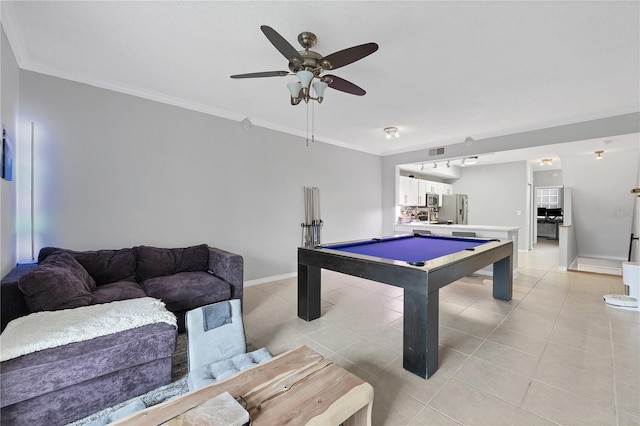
[453,209]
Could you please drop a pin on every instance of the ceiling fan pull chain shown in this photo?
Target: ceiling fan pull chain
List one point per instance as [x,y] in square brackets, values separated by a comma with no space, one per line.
[313,123]
[307,124]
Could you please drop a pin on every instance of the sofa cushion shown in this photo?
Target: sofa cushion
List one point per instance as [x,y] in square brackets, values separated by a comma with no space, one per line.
[105,266]
[187,290]
[54,369]
[59,282]
[159,262]
[120,290]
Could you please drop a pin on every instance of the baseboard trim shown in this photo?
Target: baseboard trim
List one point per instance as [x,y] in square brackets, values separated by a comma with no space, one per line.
[269,279]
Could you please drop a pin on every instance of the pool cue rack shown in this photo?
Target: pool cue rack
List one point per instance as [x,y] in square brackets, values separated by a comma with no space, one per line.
[312,223]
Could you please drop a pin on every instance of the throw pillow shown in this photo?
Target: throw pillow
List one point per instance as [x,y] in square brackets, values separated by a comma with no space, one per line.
[160,262]
[59,282]
[104,266]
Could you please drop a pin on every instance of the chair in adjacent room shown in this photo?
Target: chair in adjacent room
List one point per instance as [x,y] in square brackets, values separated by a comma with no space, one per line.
[216,344]
[464,234]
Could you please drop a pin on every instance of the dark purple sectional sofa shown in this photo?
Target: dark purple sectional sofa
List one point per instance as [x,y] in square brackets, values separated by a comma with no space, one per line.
[66,383]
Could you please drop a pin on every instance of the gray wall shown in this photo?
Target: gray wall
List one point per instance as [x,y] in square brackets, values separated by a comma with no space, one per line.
[497,195]
[602,205]
[9,113]
[115,170]
[547,178]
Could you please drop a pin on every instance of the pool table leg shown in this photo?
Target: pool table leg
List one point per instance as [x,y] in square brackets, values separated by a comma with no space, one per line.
[420,331]
[503,278]
[308,292]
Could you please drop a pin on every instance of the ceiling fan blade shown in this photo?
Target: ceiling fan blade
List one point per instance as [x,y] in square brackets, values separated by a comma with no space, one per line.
[350,55]
[283,46]
[345,86]
[262,74]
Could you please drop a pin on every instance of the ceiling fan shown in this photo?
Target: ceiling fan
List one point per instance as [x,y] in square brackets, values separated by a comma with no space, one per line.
[308,65]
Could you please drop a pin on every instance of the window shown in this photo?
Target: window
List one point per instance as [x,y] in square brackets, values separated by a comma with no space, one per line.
[548,198]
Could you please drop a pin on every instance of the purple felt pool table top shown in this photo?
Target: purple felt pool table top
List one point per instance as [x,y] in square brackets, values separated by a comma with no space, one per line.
[408,248]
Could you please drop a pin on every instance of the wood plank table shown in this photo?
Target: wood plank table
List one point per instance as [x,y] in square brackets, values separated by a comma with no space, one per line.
[299,387]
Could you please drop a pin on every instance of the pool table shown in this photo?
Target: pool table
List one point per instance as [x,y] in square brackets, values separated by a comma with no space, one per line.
[421,265]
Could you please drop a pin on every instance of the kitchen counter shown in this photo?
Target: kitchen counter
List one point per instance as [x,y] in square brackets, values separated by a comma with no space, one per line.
[482,231]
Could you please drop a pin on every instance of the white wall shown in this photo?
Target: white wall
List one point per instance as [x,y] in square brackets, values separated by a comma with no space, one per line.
[601,202]
[548,178]
[497,195]
[114,171]
[9,113]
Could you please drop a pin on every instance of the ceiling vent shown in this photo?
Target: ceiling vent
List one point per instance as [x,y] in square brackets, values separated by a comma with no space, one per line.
[436,151]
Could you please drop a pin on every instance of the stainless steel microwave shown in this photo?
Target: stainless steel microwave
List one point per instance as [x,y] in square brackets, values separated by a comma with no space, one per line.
[433,200]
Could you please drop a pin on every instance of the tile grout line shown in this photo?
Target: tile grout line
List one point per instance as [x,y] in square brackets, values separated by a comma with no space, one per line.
[533,373]
[531,378]
[451,376]
[547,341]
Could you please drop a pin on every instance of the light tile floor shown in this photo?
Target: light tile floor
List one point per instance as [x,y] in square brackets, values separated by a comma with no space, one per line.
[555,354]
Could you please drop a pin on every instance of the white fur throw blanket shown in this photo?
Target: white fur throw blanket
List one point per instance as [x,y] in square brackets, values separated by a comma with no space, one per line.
[49,329]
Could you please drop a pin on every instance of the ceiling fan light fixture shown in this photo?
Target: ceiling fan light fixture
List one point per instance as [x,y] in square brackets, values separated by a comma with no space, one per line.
[294,90]
[319,87]
[305,78]
[599,155]
[546,162]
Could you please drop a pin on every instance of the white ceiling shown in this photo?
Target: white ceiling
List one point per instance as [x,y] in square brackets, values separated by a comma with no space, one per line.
[444,70]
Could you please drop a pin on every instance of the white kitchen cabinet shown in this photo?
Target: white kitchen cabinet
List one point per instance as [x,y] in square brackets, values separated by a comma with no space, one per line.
[423,188]
[446,188]
[433,187]
[407,191]
[412,191]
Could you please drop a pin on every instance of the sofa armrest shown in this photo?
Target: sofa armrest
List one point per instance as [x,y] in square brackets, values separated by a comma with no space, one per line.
[228,266]
[12,300]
